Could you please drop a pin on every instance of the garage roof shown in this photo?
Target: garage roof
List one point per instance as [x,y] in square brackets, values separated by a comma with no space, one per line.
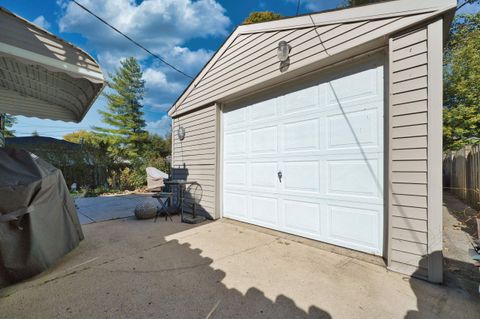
[42,75]
[247,61]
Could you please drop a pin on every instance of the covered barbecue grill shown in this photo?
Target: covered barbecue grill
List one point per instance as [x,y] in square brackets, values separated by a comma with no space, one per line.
[38,219]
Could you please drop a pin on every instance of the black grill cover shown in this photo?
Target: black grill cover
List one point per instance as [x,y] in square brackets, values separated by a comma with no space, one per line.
[38,219]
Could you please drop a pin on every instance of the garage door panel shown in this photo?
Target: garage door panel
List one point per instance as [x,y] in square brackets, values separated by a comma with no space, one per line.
[302,135]
[354,178]
[264,140]
[235,174]
[328,144]
[354,226]
[264,174]
[353,130]
[235,117]
[235,205]
[263,110]
[235,144]
[301,100]
[362,85]
[302,176]
[264,210]
[302,217]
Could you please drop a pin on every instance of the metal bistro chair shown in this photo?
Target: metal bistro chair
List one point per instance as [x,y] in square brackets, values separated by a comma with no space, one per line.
[156,185]
[165,201]
[194,194]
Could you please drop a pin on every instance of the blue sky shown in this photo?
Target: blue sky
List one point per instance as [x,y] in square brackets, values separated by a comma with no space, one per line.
[184,32]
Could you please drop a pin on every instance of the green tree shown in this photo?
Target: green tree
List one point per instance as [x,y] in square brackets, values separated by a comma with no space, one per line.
[262,16]
[354,3]
[98,149]
[96,155]
[155,146]
[124,115]
[10,120]
[461,114]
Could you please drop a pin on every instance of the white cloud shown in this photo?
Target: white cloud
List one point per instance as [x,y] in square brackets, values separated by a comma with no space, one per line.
[158,89]
[41,22]
[155,78]
[158,106]
[162,26]
[157,24]
[161,127]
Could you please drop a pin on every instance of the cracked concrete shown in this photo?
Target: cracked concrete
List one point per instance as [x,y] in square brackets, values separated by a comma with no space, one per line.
[139,269]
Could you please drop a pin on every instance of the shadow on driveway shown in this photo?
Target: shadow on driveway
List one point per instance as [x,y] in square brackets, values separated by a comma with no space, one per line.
[131,268]
[128,269]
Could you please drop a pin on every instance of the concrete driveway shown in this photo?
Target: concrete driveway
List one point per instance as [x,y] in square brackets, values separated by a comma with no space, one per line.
[139,269]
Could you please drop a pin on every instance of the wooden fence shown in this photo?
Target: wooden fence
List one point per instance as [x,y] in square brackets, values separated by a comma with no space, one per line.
[461,174]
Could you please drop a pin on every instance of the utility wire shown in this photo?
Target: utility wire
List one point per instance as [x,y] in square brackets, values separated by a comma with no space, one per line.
[131,40]
[460,6]
[298,7]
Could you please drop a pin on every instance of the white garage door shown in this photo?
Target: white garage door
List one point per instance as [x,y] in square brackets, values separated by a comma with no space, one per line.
[326,141]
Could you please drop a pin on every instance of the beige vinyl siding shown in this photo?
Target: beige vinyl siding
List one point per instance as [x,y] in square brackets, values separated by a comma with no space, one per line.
[254,60]
[408,153]
[198,152]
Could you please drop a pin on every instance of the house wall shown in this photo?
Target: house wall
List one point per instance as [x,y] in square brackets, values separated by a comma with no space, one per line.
[194,158]
[415,140]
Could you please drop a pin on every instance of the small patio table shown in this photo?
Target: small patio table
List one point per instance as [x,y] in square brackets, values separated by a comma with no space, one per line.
[181,185]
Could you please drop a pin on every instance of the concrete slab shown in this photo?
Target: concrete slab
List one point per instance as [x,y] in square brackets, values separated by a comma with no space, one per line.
[140,269]
[95,209]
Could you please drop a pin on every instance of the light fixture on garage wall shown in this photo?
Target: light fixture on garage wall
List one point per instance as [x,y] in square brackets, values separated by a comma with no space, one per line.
[181,133]
[283,51]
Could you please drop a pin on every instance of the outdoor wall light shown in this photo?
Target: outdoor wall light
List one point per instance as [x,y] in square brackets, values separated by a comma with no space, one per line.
[181,133]
[283,51]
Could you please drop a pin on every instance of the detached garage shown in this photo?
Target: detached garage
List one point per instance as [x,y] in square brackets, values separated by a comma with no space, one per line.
[327,126]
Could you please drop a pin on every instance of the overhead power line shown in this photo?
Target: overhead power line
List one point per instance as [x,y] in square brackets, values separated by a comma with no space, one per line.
[132,40]
[298,7]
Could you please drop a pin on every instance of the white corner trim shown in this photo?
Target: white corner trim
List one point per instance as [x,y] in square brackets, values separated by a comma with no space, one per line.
[219,159]
[50,62]
[434,166]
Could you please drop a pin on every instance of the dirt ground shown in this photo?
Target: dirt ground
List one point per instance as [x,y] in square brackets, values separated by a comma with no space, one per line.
[459,229]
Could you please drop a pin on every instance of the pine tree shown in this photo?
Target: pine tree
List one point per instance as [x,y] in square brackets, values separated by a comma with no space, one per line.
[9,121]
[123,113]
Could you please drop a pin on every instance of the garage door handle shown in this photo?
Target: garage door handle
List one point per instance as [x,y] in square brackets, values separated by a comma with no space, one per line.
[280,176]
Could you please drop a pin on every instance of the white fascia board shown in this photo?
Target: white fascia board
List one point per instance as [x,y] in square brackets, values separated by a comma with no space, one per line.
[50,63]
